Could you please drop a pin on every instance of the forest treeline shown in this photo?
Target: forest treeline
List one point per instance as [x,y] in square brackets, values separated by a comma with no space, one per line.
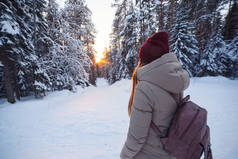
[203,35]
[44,48]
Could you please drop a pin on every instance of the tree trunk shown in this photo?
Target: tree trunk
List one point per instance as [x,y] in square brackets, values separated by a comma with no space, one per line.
[200,40]
[92,76]
[7,81]
[171,13]
[161,21]
[142,39]
[228,23]
[17,89]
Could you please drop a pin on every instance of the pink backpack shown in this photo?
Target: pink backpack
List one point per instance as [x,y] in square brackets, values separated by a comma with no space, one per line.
[189,135]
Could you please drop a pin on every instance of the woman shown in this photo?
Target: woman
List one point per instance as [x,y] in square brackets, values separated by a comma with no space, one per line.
[158,84]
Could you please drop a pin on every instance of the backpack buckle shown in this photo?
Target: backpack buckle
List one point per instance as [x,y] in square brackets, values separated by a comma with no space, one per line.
[184,100]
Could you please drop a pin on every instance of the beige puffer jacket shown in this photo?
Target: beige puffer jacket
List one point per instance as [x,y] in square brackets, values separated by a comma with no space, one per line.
[160,87]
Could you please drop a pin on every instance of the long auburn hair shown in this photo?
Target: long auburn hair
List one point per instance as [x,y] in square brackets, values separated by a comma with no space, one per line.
[134,83]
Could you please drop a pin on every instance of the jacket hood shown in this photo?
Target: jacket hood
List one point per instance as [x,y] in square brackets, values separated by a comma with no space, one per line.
[165,72]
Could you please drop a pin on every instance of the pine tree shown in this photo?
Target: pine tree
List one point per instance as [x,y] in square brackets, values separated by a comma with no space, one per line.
[53,21]
[159,9]
[231,26]
[233,53]
[214,57]
[183,41]
[80,27]
[40,39]
[88,41]
[116,54]
[72,39]
[170,10]
[146,19]
[52,61]
[129,43]
[114,67]
[38,25]
[16,48]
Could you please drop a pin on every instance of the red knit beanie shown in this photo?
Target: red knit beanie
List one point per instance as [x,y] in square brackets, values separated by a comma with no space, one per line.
[154,47]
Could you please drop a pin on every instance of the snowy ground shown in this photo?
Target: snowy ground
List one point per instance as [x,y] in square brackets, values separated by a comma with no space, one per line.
[92,123]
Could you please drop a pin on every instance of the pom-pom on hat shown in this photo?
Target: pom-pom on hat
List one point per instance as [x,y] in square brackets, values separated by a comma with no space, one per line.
[154,47]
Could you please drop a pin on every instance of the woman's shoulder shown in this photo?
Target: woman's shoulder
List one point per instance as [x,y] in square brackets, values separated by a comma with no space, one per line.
[146,88]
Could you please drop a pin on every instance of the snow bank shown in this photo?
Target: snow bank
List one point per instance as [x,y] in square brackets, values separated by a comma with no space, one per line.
[92,123]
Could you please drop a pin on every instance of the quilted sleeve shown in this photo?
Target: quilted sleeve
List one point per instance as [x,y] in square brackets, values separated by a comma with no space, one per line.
[139,125]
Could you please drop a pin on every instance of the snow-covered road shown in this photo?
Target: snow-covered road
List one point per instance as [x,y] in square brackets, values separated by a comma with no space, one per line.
[92,123]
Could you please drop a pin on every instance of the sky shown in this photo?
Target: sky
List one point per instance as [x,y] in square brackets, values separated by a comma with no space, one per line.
[102,17]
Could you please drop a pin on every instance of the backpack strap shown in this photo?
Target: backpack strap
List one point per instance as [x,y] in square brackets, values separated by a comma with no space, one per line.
[156,129]
[184,100]
[209,152]
[207,145]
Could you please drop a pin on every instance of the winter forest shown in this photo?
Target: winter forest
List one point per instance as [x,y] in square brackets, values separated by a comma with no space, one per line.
[71,98]
[203,35]
[44,48]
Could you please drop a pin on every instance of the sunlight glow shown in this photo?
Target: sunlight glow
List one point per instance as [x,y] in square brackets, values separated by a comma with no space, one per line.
[99,57]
